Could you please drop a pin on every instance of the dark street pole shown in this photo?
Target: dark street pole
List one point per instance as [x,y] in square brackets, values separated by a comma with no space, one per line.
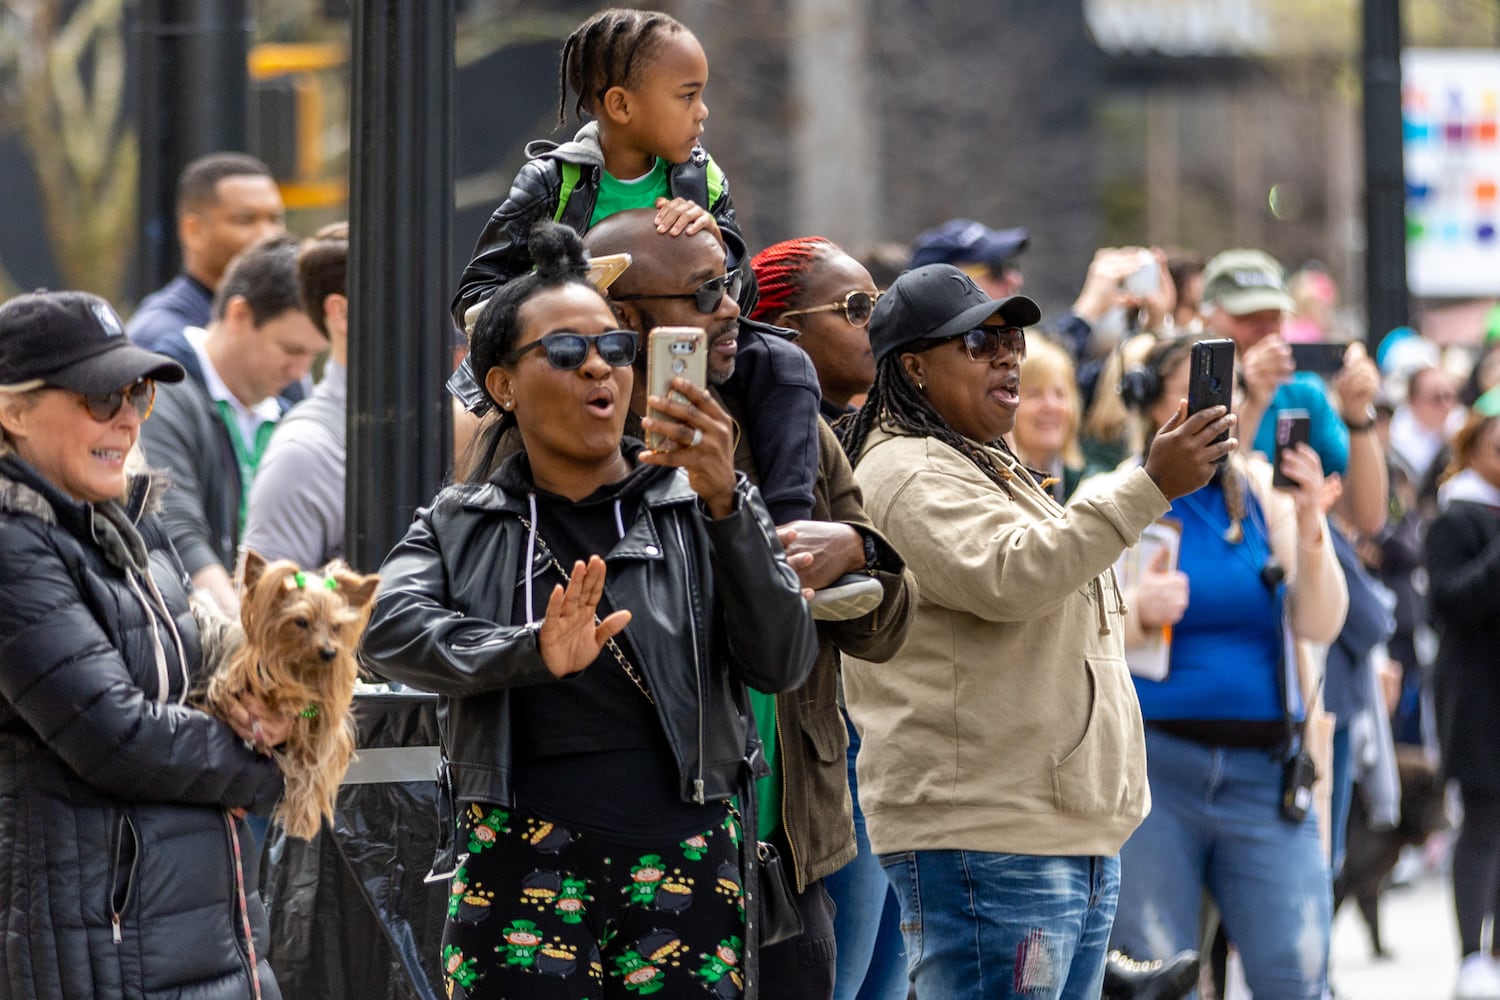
[400,209]
[194,84]
[1387,301]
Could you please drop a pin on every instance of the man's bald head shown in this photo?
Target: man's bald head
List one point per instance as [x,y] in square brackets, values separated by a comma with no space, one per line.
[660,285]
[658,261]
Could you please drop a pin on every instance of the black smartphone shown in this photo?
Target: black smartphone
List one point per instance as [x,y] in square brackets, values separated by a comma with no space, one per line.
[1293,427]
[1320,357]
[1211,382]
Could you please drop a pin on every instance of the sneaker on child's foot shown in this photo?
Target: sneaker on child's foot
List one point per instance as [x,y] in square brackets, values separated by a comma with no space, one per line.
[1478,978]
[852,595]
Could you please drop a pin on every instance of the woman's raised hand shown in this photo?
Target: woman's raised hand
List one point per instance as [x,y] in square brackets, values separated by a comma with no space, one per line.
[1183,454]
[570,639]
[700,439]
[1304,469]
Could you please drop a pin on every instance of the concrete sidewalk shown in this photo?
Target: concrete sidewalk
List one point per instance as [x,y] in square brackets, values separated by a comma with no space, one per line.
[1418,929]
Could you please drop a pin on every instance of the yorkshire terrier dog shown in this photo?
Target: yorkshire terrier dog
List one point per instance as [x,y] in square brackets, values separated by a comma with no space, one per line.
[302,633]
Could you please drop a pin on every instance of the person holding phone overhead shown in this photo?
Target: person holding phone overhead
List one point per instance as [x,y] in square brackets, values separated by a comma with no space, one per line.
[1254,564]
[1245,299]
[589,616]
[1002,762]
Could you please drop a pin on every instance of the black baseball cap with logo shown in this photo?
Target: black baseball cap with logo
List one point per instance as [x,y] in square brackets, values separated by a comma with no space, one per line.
[939,301]
[73,340]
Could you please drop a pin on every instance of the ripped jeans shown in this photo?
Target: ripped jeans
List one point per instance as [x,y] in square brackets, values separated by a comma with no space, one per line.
[981,925]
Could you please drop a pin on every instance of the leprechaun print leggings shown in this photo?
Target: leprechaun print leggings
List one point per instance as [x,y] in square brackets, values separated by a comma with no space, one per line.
[539,912]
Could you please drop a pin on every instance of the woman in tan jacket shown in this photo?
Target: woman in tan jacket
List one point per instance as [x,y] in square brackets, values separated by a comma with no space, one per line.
[1002,763]
[1255,570]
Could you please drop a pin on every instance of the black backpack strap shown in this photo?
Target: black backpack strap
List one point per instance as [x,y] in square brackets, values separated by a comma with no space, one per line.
[571,212]
[690,179]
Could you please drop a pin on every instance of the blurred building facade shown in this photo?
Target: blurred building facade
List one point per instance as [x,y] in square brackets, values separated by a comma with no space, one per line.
[1203,123]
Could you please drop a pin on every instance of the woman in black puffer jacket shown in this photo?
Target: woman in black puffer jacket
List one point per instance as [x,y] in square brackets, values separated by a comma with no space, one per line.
[123,872]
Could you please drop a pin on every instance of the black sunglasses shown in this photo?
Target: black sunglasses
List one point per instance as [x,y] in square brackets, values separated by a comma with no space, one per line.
[856,307]
[105,406]
[706,296]
[984,343]
[567,350]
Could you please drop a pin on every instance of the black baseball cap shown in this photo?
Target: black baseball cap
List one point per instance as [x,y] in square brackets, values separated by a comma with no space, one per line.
[73,340]
[936,302]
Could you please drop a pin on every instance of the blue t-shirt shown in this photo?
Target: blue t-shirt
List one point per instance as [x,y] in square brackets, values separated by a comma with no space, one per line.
[1226,650]
[1328,435]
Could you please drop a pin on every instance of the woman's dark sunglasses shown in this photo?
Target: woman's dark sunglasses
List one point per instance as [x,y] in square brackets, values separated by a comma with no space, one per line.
[706,297]
[984,343]
[567,351]
[856,307]
[104,407]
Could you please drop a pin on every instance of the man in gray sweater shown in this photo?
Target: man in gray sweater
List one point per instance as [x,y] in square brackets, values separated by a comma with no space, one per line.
[297,499]
[210,431]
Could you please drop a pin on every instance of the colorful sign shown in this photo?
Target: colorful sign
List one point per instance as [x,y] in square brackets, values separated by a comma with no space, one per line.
[1449,105]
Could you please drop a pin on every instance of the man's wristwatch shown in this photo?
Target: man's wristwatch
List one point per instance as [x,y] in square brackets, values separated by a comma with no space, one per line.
[1368,424]
[872,555]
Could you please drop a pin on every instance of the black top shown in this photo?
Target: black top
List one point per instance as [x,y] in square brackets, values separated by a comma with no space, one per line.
[582,742]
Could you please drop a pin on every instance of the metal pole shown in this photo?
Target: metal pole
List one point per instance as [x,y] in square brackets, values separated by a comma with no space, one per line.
[194,84]
[400,212]
[1387,300]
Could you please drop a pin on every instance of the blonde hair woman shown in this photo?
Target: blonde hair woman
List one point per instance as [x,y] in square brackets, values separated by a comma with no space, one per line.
[1047,421]
[1111,432]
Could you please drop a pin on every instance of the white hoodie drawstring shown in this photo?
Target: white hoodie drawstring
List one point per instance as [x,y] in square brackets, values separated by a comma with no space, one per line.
[531,539]
[530,556]
[161,603]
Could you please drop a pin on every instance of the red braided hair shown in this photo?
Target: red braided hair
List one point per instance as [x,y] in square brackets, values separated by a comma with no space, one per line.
[781,272]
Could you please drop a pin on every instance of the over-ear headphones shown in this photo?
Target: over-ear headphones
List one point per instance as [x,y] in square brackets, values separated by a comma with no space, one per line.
[1139,388]
[1143,384]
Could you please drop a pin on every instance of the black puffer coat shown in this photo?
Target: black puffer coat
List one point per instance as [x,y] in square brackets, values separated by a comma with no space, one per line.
[117,870]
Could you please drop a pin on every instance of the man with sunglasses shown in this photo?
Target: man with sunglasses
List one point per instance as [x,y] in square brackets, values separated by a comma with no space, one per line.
[210,431]
[755,363]
[805,804]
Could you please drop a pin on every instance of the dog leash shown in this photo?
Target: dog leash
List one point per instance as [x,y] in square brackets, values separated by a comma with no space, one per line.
[239,887]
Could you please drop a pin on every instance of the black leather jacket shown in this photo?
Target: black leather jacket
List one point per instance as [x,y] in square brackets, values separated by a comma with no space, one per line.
[457,574]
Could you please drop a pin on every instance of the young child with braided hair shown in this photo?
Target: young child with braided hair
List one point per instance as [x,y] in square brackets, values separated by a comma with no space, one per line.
[641,76]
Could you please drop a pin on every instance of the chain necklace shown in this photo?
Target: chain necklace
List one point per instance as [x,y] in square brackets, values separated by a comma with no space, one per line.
[610,644]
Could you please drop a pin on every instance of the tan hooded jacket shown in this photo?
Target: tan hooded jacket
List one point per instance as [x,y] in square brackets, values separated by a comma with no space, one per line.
[1008,722]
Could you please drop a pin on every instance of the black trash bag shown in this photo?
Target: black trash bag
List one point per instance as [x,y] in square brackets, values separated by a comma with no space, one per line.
[350,913]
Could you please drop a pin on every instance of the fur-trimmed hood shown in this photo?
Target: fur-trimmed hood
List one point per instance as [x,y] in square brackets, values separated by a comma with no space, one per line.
[113,524]
[144,490]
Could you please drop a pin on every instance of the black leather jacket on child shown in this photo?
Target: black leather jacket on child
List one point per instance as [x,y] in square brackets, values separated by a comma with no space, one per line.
[501,251]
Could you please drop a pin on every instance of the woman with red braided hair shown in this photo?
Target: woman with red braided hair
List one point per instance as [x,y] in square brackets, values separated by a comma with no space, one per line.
[812,286]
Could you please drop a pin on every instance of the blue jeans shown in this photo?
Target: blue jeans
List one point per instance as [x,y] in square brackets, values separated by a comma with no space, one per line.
[1216,824]
[867,921]
[982,926]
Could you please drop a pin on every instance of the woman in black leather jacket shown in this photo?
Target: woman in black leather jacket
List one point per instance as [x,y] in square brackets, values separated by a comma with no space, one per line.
[122,871]
[590,616]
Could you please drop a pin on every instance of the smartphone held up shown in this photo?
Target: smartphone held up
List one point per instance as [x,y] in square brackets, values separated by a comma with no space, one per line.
[1293,427]
[1211,382]
[673,352]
